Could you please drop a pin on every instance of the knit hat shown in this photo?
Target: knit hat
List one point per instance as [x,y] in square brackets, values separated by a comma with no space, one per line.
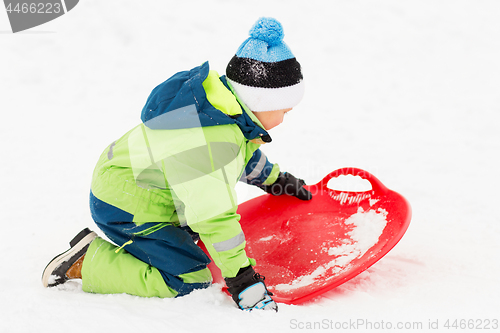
[264,73]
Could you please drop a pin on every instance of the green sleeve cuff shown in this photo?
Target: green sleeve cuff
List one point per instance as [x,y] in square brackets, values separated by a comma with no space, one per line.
[273,176]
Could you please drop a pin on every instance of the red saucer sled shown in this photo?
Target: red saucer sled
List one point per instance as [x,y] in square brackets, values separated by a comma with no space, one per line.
[305,248]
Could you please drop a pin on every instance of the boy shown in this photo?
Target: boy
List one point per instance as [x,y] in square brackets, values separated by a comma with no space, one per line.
[170,180]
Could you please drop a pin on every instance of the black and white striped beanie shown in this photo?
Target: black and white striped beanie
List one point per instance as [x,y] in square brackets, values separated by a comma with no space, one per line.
[264,73]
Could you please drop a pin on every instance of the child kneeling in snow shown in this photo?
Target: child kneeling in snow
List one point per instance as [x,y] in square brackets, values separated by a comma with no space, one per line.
[170,180]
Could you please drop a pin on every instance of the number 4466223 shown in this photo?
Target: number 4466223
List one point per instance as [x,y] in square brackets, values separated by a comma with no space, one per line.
[478,324]
[34,8]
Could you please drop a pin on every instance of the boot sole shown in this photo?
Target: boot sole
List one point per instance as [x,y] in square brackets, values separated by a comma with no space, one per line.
[79,246]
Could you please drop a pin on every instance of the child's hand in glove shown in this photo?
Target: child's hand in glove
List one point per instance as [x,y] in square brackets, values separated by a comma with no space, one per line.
[288,184]
[249,291]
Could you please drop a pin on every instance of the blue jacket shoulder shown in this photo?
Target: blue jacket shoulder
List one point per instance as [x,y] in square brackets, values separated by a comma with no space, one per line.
[181,102]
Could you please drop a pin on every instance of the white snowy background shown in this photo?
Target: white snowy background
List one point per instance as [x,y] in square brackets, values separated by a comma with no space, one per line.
[407,90]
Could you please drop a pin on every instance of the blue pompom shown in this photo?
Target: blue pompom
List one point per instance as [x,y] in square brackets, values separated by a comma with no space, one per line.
[268,30]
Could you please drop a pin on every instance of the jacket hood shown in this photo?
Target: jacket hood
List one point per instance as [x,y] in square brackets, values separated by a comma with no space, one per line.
[181,102]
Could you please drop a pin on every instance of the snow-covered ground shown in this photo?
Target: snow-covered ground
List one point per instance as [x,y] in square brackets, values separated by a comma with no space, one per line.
[408,90]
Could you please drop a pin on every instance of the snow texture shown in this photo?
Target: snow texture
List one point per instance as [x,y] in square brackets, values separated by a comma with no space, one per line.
[407,90]
[366,230]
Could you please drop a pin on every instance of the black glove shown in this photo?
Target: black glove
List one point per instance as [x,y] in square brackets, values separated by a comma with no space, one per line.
[288,184]
[249,291]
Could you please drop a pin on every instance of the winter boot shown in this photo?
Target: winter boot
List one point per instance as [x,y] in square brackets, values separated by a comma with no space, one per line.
[67,265]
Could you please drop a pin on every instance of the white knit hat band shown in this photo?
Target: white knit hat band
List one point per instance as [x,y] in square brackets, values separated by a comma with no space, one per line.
[269,99]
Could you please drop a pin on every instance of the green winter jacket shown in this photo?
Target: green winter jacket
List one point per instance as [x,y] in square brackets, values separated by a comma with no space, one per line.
[180,166]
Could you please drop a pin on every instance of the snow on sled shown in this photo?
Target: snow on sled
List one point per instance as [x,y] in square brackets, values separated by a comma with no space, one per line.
[305,248]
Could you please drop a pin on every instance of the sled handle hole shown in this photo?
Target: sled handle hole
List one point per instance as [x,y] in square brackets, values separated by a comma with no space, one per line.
[349,183]
[373,183]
